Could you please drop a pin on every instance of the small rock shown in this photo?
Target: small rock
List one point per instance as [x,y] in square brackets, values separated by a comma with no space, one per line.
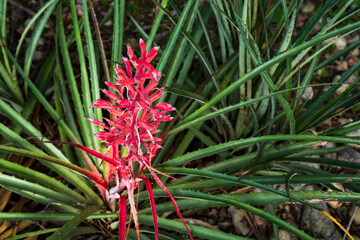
[327,122]
[343,121]
[308,7]
[342,66]
[341,43]
[38,55]
[342,88]
[354,39]
[301,19]
[318,25]
[330,155]
[329,40]
[318,225]
[336,204]
[108,23]
[213,212]
[352,79]
[211,221]
[238,220]
[284,235]
[296,187]
[222,213]
[357,214]
[79,10]
[326,88]
[41,42]
[352,61]
[27,21]
[259,221]
[354,133]
[336,78]
[355,52]
[349,154]
[20,29]
[225,226]
[308,94]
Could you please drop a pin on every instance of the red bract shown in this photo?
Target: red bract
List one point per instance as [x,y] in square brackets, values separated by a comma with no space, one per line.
[133,125]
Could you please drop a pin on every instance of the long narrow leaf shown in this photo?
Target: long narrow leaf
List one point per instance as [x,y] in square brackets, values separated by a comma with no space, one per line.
[62,232]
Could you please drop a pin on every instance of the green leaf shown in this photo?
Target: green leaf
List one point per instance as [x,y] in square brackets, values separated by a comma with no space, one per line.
[256,71]
[119,12]
[62,232]
[249,141]
[84,125]
[40,178]
[34,40]
[197,231]
[9,181]
[62,171]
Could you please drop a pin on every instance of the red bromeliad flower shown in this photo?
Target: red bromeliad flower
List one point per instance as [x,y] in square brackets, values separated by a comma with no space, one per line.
[133,125]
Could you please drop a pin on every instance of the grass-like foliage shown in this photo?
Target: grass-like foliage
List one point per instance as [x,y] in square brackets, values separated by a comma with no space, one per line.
[236,73]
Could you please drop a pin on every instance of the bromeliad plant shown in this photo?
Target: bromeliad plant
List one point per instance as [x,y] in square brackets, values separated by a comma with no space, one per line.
[236,72]
[131,129]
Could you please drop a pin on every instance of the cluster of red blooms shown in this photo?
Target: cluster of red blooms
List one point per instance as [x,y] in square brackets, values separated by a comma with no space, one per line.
[133,124]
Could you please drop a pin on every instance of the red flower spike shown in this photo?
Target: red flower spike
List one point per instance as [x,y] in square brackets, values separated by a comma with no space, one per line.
[134,123]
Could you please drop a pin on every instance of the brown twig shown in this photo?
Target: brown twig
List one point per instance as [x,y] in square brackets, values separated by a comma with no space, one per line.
[102,52]
[252,225]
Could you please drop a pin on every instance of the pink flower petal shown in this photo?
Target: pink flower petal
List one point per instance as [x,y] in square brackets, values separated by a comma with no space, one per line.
[111,95]
[101,104]
[164,106]
[142,48]
[151,55]
[113,87]
[97,122]
[155,96]
[127,66]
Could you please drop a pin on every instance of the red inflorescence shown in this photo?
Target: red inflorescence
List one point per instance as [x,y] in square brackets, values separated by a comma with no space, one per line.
[133,125]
